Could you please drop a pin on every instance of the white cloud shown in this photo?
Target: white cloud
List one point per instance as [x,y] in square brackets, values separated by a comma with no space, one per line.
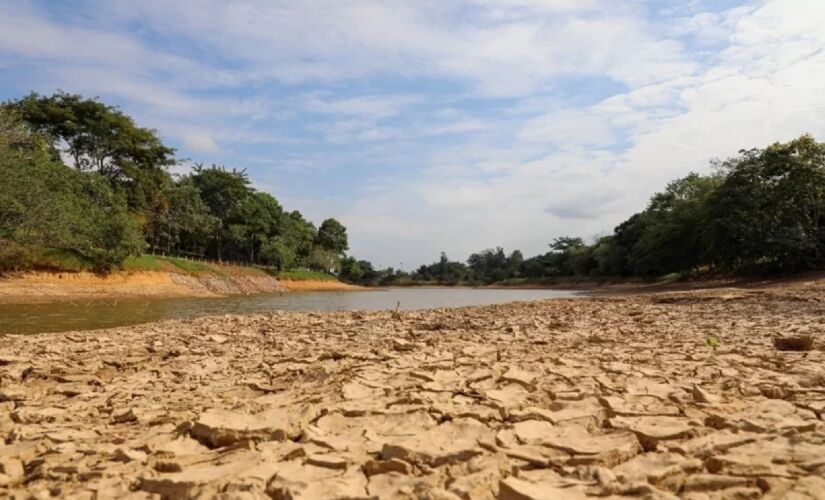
[200,142]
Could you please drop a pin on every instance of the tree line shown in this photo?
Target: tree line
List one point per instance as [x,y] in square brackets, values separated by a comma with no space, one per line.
[81,176]
[761,211]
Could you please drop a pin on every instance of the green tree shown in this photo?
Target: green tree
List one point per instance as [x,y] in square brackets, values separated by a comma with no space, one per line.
[351,270]
[223,191]
[769,211]
[673,238]
[44,204]
[332,236]
[98,137]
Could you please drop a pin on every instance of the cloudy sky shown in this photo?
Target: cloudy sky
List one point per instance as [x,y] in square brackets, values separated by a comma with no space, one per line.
[429,125]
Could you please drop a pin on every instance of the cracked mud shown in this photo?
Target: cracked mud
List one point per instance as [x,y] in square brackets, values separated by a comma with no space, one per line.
[611,397]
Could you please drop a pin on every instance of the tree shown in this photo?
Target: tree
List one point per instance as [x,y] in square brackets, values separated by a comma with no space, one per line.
[769,210]
[332,236]
[489,265]
[514,263]
[278,252]
[223,191]
[351,270]
[44,204]
[321,259]
[98,137]
[673,238]
[299,234]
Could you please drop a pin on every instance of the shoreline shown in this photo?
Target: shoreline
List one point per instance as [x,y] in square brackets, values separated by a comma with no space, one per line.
[555,398]
[45,287]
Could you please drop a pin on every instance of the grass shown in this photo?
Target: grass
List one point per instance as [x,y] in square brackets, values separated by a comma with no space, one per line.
[56,259]
[145,263]
[302,275]
[190,266]
[63,260]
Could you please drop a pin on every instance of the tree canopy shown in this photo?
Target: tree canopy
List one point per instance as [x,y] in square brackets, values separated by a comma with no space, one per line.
[760,211]
[82,176]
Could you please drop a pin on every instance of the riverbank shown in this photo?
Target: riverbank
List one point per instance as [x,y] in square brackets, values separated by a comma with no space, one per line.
[199,281]
[656,395]
[38,287]
[320,286]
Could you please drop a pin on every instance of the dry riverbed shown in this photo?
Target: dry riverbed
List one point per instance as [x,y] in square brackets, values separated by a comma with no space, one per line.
[612,397]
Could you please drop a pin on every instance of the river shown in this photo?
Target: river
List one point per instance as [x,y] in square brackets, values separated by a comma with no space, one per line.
[93,314]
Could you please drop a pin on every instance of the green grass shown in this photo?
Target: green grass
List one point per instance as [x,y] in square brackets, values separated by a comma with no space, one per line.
[145,263]
[305,276]
[62,260]
[191,266]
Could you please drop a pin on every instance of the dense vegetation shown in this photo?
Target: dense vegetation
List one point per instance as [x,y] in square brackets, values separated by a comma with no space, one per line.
[762,211]
[80,181]
[79,178]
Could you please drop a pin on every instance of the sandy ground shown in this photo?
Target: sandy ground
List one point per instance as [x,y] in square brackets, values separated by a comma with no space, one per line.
[35,287]
[46,287]
[318,286]
[614,397]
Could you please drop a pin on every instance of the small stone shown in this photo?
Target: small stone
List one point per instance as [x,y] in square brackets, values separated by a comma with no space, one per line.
[795,343]
[702,396]
[403,345]
[373,467]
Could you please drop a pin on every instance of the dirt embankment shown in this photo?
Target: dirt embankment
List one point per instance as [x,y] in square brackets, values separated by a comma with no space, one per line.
[615,397]
[47,286]
[318,286]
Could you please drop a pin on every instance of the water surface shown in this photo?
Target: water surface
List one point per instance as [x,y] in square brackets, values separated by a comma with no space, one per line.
[91,314]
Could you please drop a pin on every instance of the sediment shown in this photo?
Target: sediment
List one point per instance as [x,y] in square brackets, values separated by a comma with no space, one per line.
[657,396]
[56,286]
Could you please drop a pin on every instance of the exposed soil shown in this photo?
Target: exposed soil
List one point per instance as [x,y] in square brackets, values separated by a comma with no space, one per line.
[655,396]
[318,286]
[48,287]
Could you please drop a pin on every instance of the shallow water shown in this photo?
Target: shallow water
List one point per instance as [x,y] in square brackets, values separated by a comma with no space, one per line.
[91,314]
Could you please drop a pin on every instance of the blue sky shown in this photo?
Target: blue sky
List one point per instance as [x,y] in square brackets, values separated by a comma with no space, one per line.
[433,125]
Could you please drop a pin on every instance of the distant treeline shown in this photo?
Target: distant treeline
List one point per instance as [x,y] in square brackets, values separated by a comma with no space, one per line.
[762,211]
[80,177]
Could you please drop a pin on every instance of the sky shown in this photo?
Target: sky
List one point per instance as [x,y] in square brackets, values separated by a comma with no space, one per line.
[440,125]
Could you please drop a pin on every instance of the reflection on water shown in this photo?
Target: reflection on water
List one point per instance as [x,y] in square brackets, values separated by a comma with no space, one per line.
[91,314]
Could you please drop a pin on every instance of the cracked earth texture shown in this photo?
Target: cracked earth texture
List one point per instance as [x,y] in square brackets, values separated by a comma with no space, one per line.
[617,397]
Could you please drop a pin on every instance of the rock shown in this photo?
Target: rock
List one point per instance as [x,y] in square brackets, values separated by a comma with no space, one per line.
[328,461]
[373,467]
[127,455]
[794,343]
[403,345]
[702,396]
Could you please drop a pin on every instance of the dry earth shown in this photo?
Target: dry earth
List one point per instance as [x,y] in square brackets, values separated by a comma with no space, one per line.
[612,397]
[32,287]
[318,286]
